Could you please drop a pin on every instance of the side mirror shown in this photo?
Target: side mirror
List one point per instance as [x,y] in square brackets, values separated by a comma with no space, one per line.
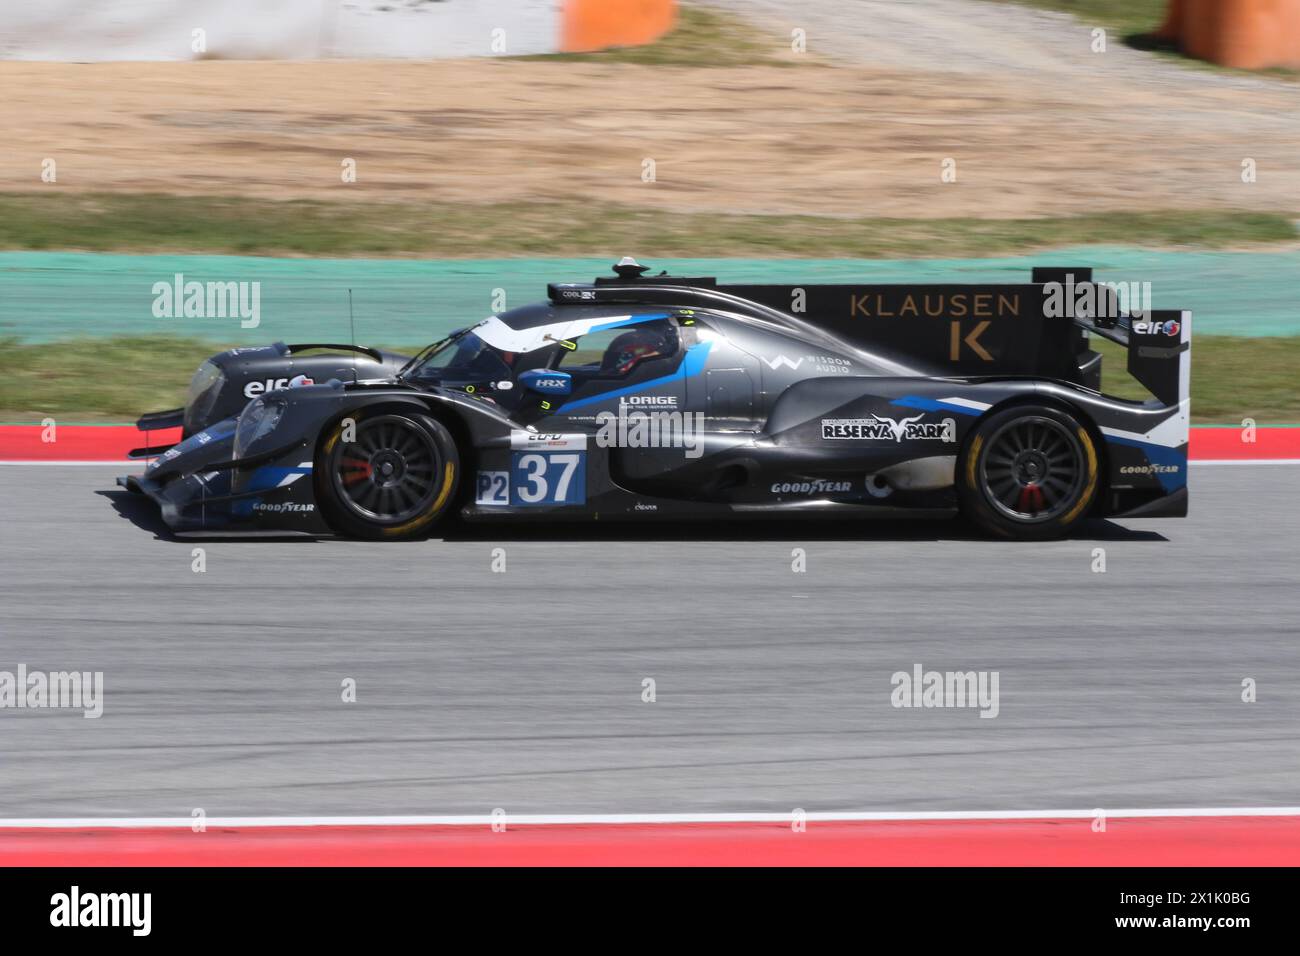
[546,382]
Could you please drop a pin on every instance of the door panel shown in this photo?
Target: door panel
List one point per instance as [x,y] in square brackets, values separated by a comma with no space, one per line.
[729,398]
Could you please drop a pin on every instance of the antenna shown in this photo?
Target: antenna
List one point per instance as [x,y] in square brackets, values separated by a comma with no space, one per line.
[352,332]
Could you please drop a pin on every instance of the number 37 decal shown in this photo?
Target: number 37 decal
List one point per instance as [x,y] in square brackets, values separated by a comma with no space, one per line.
[536,478]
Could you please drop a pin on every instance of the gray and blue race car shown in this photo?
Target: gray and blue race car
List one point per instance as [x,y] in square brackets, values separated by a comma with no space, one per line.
[664,397]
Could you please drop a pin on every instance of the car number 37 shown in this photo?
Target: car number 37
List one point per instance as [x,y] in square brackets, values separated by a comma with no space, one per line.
[546,478]
[536,478]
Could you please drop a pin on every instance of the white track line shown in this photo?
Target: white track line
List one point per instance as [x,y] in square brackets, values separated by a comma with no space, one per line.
[605,819]
[1245,461]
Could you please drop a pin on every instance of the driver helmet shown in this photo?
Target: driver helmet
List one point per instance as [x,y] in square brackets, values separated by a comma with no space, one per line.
[632,348]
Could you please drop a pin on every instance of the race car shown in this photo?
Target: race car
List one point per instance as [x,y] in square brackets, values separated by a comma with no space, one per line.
[662,397]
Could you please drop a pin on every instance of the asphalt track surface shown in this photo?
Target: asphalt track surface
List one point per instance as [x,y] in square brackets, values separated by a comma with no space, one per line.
[522,690]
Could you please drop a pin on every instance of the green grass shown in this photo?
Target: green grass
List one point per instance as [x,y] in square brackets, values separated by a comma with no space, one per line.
[88,380]
[1135,22]
[700,38]
[1232,378]
[103,379]
[1124,16]
[157,223]
[92,380]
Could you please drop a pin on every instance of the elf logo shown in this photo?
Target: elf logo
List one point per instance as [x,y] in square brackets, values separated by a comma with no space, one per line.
[254,389]
[1170,328]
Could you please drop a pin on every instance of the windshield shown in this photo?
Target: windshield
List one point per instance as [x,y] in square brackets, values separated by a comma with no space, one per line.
[462,356]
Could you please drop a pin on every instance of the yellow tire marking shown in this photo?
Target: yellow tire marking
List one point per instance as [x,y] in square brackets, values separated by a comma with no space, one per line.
[973,456]
[446,486]
[428,516]
[1086,497]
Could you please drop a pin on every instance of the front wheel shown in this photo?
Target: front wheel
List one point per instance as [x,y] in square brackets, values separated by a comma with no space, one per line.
[387,476]
[1029,472]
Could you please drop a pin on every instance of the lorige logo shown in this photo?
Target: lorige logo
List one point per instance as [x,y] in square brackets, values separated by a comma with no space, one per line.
[879,428]
[641,400]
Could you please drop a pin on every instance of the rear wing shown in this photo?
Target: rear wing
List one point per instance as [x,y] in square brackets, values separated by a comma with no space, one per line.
[1159,344]
[1037,329]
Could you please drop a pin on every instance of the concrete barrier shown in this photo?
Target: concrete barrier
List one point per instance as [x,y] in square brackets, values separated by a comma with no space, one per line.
[115,30]
[1247,34]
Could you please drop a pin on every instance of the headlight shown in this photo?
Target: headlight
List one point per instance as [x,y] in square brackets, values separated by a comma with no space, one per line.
[205,389]
[256,421]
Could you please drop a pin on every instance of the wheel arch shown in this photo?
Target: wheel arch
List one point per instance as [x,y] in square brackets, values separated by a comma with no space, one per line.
[412,406]
[395,404]
[1052,400]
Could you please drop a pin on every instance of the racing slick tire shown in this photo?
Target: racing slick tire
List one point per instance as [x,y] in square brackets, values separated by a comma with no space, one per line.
[394,480]
[1029,472]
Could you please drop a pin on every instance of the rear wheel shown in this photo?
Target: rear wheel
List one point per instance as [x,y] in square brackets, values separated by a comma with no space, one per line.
[387,476]
[1029,472]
